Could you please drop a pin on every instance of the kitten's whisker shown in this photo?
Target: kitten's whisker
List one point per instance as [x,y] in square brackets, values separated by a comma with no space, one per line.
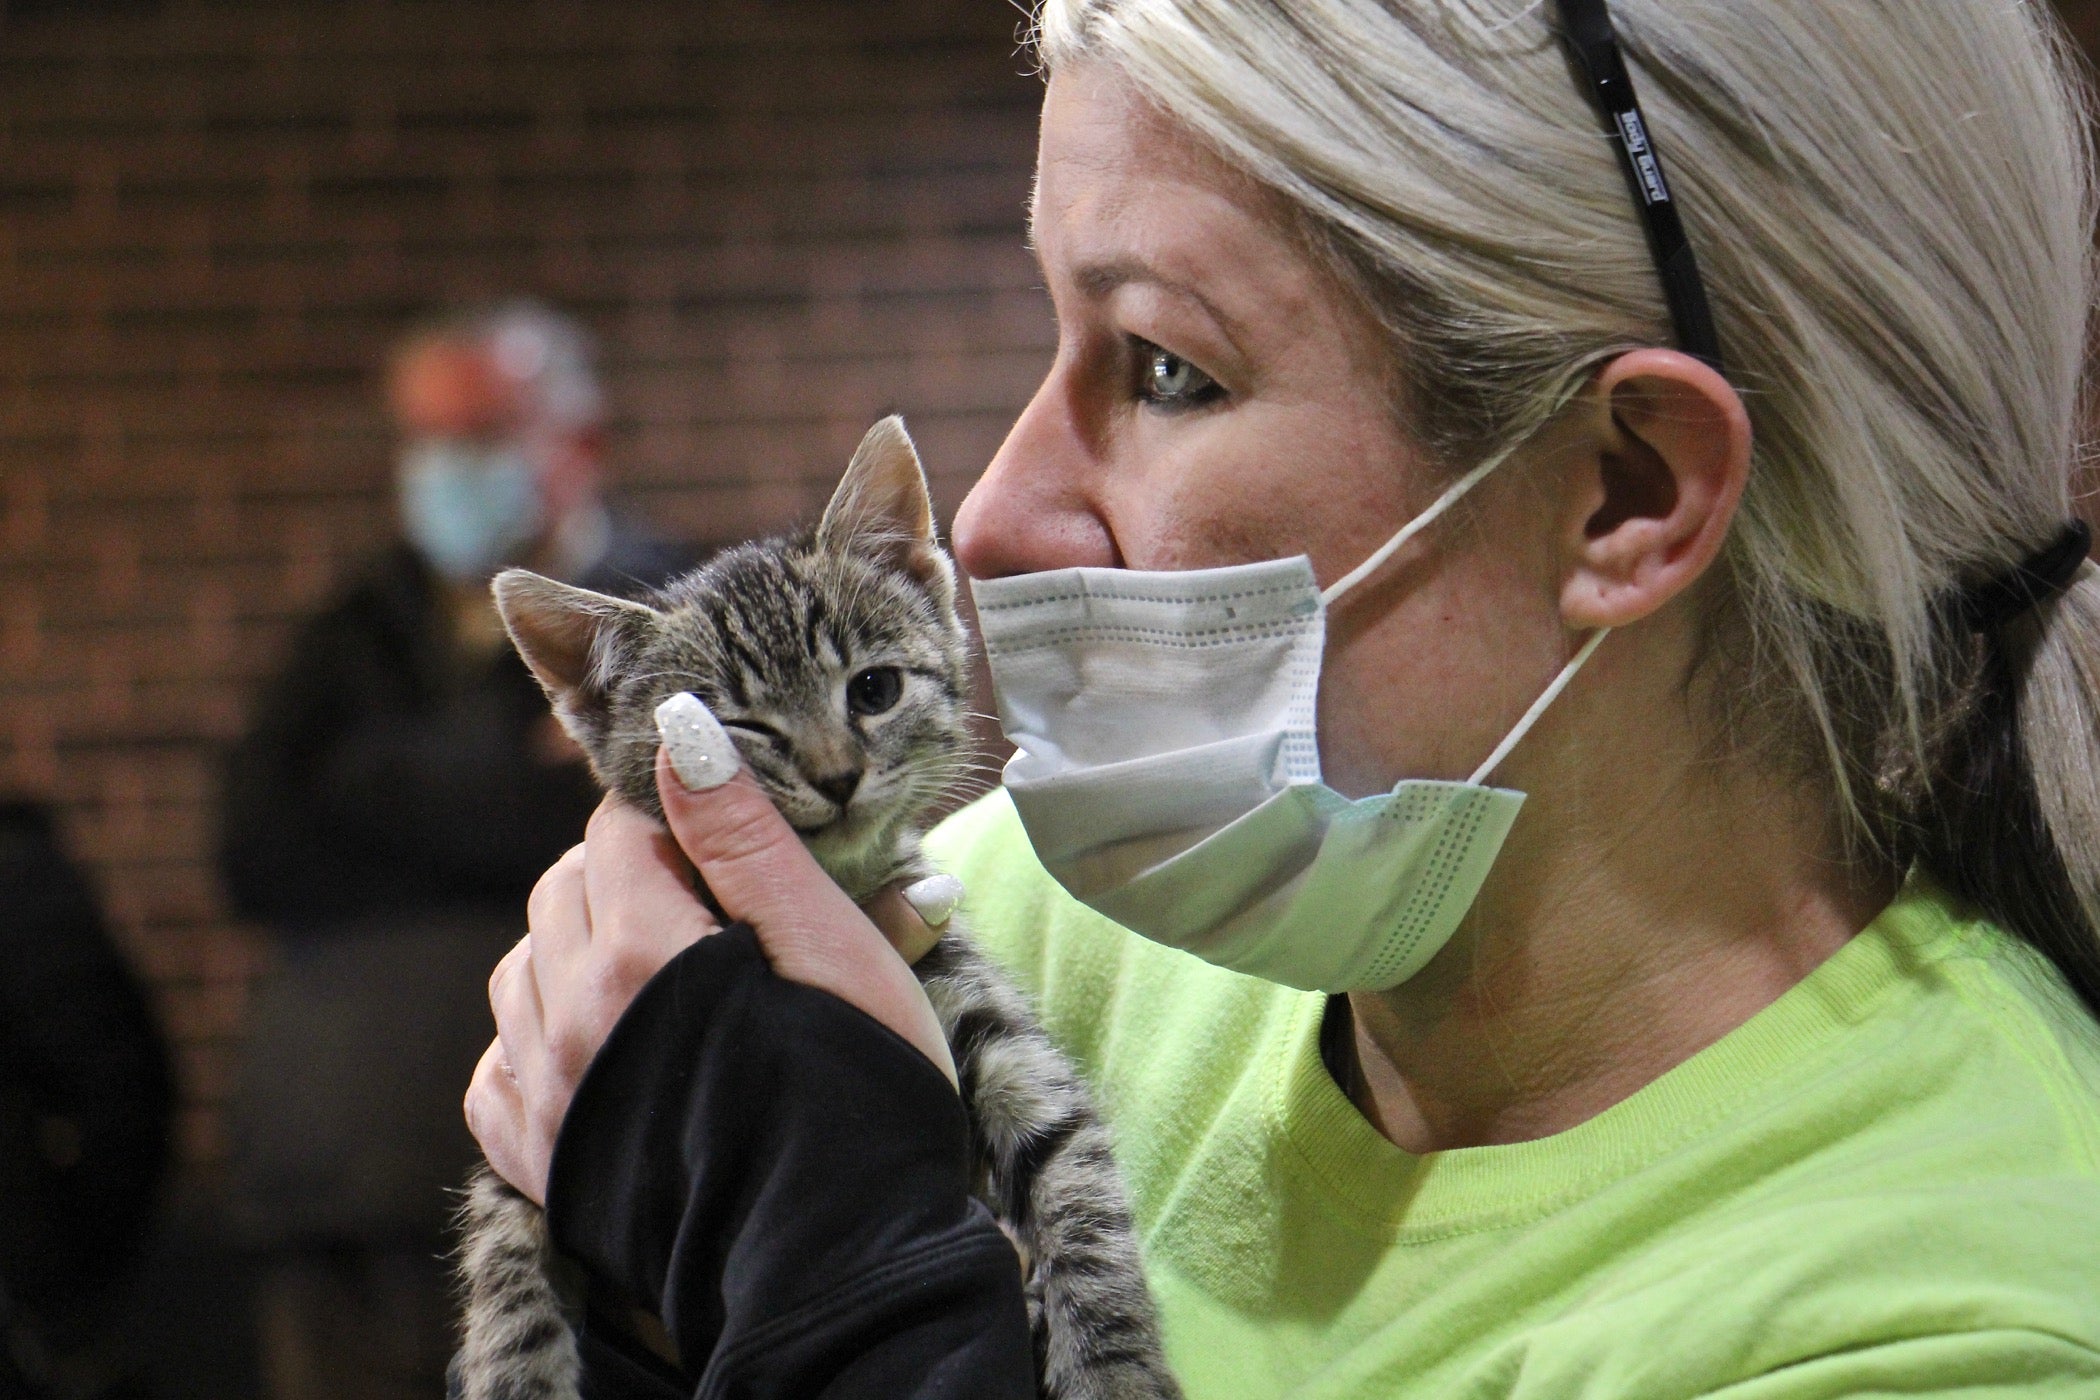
[960,775]
[968,758]
[972,756]
[665,676]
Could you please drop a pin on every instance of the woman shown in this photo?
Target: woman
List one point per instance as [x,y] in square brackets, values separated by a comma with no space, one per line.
[1760,1058]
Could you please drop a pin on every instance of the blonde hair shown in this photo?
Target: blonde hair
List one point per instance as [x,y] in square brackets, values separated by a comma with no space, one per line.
[1891,205]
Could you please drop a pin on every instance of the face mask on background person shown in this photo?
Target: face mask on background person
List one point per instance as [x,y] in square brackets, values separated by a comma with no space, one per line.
[1167,771]
[469,507]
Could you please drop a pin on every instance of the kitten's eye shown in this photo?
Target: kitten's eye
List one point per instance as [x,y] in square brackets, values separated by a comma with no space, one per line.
[1165,380]
[874,690]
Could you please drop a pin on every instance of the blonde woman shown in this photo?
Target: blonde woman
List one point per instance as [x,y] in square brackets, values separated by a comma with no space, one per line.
[1563,811]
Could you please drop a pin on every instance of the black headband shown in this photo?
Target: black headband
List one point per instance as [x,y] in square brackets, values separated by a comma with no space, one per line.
[2032,582]
[1586,26]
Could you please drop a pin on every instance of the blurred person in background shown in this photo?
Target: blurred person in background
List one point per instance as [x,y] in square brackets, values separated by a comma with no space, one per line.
[86,1097]
[399,789]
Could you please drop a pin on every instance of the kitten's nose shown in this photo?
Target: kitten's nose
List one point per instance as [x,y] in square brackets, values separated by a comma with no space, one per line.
[839,787]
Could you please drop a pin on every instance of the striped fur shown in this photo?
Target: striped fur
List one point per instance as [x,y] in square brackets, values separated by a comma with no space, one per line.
[519,1346]
[772,637]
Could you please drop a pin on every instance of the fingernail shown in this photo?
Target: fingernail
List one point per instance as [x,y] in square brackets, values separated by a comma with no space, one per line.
[702,753]
[935,897]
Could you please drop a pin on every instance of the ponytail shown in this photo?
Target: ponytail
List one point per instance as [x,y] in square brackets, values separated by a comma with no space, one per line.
[2059,736]
[2010,821]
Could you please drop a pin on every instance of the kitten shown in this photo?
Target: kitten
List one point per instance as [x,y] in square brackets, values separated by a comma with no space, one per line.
[837,662]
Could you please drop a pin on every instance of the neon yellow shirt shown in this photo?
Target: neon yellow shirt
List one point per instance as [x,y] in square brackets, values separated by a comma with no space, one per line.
[1886,1183]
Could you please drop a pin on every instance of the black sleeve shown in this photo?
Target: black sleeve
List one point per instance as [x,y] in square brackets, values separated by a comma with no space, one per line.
[785,1183]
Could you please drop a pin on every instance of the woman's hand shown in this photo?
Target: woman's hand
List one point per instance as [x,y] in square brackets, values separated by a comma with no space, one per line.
[609,914]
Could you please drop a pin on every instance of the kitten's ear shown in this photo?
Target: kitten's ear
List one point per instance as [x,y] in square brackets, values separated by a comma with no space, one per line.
[882,508]
[563,633]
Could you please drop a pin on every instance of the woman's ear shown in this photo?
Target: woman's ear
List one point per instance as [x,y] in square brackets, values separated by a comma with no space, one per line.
[1654,487]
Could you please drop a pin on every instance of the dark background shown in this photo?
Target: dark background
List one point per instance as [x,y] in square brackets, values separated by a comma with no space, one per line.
[781,217]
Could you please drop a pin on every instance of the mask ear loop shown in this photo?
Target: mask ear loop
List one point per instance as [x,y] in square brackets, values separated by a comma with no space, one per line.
[1538,706]
[1450,498]
[1412,528]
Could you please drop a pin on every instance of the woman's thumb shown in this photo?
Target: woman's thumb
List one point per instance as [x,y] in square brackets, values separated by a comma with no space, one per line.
[730,830]
[763,875]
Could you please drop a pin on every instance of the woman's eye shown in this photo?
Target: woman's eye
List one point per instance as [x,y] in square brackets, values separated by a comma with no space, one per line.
[1168,381]
[874,690]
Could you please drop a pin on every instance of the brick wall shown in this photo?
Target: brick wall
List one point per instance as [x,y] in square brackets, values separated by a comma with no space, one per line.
[782,217]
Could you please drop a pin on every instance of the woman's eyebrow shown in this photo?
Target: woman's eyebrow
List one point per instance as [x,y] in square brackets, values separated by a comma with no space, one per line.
[1099,280]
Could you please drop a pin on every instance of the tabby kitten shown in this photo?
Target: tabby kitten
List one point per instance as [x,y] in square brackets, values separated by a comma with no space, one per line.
[836,661]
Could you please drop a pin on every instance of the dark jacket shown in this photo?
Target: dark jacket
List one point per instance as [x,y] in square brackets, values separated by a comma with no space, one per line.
[785,1183]
[381,774]
[86,1095]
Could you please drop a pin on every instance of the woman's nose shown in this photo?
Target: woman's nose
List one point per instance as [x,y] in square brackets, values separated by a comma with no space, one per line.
[1035,507]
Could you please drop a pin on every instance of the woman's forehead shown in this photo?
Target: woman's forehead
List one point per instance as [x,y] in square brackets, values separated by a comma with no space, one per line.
[1104,149]
[1124,197]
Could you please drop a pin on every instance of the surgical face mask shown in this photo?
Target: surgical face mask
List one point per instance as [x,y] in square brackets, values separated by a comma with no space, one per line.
[466,506]
[1167,771]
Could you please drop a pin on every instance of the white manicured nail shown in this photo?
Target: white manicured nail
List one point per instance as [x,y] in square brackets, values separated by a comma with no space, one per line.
[702,753]
[935,897]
